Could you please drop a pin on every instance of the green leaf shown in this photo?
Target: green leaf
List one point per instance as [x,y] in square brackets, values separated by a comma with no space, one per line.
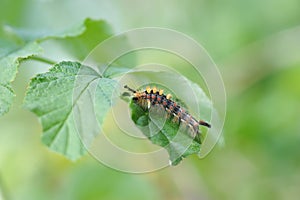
[17,44]
[88,36]
[9,62]
[86,30]
[163,131]
[6,98]
[106,93]
[53,97]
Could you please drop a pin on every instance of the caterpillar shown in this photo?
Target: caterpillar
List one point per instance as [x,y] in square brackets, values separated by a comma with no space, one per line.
[155,96]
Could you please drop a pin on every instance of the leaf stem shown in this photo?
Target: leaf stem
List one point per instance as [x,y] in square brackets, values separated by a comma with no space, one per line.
[42,59]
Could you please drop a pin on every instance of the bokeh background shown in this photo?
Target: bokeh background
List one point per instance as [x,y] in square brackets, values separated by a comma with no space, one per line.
[256,45]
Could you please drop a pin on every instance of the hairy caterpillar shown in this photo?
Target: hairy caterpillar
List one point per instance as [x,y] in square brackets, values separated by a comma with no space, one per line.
[154,96]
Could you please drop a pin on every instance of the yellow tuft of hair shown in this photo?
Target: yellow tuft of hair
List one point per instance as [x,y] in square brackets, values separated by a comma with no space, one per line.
[154,90]
[169,96]
[148,89]
[161,92]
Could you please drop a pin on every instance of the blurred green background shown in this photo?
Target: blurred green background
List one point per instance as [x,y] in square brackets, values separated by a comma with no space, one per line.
[256,45]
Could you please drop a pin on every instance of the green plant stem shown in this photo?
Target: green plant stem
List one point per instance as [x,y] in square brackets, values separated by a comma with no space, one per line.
[42,59]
